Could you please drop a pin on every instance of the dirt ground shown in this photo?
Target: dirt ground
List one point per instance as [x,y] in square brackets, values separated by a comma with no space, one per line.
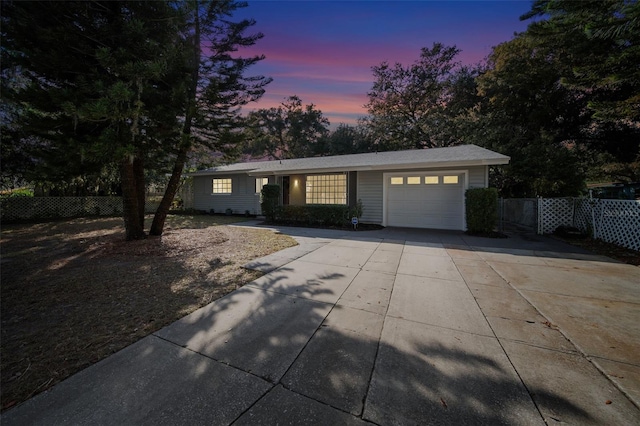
[622,254]
[74,292]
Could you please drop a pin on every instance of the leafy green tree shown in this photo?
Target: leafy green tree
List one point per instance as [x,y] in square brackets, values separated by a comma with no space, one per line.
[525,113]
[290,130]
[600,42]
[601,39]
[414,106]
[347,139]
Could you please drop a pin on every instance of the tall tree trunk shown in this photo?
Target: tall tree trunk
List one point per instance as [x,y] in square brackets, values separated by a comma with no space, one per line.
[157,227]
[138,174]
[134,228]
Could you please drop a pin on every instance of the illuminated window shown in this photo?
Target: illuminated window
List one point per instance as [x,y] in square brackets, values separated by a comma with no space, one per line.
[431,180]
[326,189]
[222,186]
[397,180]
[413,180]
[450,179]
[260,182]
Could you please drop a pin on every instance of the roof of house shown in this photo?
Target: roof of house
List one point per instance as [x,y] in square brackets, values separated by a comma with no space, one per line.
[457,156]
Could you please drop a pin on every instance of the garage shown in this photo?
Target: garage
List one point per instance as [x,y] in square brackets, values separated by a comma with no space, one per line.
[425,200]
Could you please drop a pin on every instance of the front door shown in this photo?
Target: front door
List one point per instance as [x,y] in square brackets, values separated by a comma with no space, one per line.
[285,190]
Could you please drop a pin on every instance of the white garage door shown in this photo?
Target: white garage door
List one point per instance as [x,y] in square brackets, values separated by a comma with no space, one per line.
[423,200]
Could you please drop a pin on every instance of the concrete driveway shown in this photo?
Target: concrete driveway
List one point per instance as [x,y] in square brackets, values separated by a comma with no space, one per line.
[396,326]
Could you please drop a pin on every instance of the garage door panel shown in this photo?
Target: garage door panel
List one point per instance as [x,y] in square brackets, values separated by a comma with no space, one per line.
[437,206]
[447,206]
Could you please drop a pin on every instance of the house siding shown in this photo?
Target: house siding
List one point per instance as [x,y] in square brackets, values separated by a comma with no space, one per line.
[370,186]
[477,177]
[297,190]
[242,198]
[370,192]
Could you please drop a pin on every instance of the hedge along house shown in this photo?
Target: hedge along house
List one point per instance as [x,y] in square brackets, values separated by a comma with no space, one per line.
[415,188]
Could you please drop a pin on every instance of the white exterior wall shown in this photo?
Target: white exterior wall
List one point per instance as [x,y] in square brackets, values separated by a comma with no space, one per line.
[242,198]
[478,177]
[370,188]
[370,192]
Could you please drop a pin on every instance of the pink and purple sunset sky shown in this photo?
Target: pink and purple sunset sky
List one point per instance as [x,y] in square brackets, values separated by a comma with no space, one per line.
[323,51]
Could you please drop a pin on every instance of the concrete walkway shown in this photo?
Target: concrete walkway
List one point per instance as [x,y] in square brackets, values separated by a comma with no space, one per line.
[384,327]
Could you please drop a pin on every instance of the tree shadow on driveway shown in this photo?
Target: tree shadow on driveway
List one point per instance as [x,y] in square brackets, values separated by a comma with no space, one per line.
[229,362]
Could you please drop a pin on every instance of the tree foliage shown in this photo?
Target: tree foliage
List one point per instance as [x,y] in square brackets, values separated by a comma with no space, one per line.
[602,43]
[414,106]
[346,139]
[291,130]
[526,114]
[215,88]
[93,85]
[125,84]
[562,99]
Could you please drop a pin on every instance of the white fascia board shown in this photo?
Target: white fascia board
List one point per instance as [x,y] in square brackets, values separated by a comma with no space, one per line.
[442,164]
[306,171]
[218,172]
[429,165]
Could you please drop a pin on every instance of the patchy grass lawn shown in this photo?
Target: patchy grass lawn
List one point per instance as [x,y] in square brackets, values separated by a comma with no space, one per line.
[74,292]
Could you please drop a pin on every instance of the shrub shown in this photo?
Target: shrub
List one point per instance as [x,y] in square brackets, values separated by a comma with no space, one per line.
[315,215]
[270,199]
[355,211]
[20,192]
[481,210]
[290,214]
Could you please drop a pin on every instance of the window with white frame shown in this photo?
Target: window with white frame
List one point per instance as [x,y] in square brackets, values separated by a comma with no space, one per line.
[260,182]
[222,186]
[326,189]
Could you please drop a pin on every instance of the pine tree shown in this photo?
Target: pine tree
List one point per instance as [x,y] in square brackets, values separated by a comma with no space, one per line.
[216,87]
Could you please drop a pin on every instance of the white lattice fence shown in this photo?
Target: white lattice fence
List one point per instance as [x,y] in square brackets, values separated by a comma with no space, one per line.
[25,208]
[619,223]
[585,211]
[554,212]
[614,221]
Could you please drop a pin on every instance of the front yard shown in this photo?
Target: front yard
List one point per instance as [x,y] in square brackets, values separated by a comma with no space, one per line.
[74,292]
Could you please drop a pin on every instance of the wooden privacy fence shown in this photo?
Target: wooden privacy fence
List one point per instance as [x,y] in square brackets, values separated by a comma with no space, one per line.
[522,212]
[31,208]
[614,221]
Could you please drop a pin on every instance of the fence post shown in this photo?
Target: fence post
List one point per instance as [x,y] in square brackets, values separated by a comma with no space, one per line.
[540,225]
[602,204]
[592,207]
